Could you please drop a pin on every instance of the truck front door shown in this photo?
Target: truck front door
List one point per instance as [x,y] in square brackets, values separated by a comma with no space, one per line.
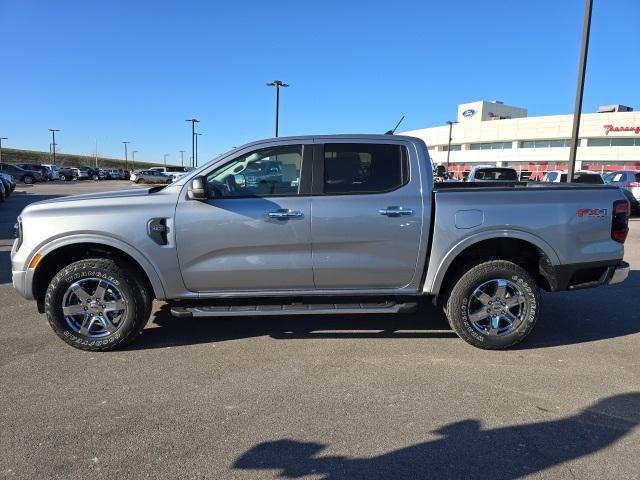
[253,232]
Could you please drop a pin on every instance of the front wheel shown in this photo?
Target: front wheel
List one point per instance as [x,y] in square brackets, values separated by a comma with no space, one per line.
[28,180]
[97,304]
[493,304]
[62,177]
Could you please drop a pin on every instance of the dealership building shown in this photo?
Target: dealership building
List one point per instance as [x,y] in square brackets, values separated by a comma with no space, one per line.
[492,133]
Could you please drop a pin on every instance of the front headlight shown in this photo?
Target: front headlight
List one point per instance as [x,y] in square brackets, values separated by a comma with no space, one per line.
[17,232]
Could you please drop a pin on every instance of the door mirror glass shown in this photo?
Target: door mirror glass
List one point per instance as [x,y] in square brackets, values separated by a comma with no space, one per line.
[196,189]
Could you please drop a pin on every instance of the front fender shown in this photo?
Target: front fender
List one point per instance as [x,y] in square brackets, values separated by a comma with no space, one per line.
[437,270]
[149,269]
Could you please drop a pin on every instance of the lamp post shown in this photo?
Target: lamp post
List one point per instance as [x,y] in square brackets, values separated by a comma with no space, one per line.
[182,158]
[577,111]
[450,123]
[196,135]
[126,160]
[53,134]
[193,136]
[278,84]
[165,160]
[2,138]
[133,159]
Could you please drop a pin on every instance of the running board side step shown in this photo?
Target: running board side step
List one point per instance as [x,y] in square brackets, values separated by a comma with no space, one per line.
[291,309]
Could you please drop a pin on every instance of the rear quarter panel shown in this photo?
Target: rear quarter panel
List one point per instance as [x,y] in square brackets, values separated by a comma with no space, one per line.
[547,217]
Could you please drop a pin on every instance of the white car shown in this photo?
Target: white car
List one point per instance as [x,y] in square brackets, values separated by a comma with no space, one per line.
[580,176]
[55,172]
[174,172]
[484,173]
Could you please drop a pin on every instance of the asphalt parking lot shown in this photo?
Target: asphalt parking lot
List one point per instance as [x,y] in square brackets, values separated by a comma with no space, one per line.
[331,397]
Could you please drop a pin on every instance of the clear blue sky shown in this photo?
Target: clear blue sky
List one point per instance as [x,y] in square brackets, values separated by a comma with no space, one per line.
[132,70]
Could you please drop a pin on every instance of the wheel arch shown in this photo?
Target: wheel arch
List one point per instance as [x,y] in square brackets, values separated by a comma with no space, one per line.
[529,251]
[59,254]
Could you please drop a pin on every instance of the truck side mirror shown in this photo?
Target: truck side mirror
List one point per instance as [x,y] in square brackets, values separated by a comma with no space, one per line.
[197,189]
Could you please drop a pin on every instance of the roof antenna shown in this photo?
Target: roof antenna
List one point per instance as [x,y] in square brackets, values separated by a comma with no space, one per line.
[391,132]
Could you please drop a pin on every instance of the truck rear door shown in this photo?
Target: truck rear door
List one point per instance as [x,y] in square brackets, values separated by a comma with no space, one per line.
[367,215]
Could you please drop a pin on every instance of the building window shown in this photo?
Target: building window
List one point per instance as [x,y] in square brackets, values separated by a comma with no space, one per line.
[454,147]
[613,142]
[564,142]
[490,146]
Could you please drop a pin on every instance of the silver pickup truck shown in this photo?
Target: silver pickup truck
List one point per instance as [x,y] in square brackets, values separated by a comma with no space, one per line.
[317,225]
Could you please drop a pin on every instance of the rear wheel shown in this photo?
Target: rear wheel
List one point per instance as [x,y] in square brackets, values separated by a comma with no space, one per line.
[97,304]
[493,304]
[28,179]
[62,177]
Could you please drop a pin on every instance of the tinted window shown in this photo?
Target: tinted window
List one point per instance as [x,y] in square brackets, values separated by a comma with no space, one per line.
[588,178]
[265,172]
[364,168]
[496,174]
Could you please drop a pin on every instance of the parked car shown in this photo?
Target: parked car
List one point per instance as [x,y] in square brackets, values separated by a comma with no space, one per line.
[46,173]
[150,176]
[369,232]
[633,201]
[95,173]
[114,174]
[174,172]
[25,176]
[482,173]
[80,173]
[4,193]
[9,182]
[66,173]
[626,179]
[581,176]
[54,170]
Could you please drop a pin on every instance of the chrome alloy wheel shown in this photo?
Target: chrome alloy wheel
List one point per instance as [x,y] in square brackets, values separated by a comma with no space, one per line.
[497,307]
[94,307]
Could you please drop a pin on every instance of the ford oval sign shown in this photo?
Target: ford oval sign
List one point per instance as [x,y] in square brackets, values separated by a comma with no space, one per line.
[469,113]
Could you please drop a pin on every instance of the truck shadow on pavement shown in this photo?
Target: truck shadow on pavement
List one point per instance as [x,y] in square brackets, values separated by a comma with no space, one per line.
[567,318]
[465,450]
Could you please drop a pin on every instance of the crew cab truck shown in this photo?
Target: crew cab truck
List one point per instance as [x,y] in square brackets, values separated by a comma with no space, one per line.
[351,224]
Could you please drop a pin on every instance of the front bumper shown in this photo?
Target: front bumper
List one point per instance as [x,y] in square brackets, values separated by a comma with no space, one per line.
[620,274]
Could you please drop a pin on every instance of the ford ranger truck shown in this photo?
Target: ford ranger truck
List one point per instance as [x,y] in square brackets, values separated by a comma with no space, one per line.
[350,224]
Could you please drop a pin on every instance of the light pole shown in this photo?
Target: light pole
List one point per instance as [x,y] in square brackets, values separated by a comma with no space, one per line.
[53,134]
[577,111]
[165,160]
[450,123]
[133,159]
[196,135]
[2,138]
[126,160]
[278,84]
[182,158]
[193,136]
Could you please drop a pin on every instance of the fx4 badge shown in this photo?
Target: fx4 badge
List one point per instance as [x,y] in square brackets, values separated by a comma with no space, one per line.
[592,212]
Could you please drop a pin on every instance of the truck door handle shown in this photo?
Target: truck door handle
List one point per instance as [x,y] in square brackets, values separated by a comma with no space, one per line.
[285,213]
[396,211]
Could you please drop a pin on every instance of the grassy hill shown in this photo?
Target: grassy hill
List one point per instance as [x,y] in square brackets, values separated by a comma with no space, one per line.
[12,155]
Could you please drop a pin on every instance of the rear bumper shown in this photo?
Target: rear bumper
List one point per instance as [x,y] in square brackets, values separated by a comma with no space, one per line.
[620,274]
[577,276]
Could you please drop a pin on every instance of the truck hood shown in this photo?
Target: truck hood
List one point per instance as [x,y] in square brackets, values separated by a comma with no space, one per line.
[133,192]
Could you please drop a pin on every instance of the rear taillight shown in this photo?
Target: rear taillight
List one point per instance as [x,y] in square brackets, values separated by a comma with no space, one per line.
[620,222]
[633,184]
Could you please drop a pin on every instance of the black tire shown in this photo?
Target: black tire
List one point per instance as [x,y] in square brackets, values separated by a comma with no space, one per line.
[461,302]
[95,177]
[28,180]
[62,177]
[119,273]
